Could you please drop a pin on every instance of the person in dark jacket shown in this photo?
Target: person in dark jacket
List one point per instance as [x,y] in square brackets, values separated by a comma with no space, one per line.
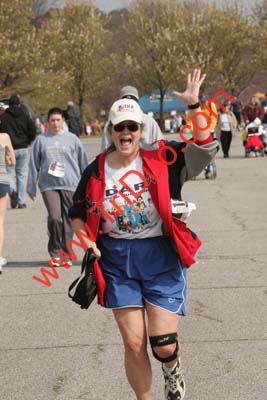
[73,119]
[21,129]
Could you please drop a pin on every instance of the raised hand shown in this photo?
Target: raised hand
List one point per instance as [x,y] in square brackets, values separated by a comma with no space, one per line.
[194,82]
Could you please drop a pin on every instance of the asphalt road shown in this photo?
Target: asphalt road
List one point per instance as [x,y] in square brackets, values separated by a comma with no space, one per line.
[52,350]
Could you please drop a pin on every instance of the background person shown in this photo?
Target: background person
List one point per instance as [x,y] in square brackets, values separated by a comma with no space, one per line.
[57,161]
[144,276]
[2,108]
[236,107]
[73,119]
[96,128]
[7,158]
[21,129]
[253,110]
[226,128]
[176,122]
[151,132]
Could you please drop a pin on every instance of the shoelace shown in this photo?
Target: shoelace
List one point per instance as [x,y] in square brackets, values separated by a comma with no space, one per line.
[171,380]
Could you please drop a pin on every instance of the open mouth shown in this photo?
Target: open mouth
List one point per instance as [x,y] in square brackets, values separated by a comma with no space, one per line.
[125,141]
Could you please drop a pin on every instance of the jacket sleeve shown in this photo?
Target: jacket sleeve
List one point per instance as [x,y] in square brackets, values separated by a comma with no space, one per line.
[82,157]
[245,113]
[80,202]
[197,158]
[31,130]
[188,119]
[34,167]
[213,119]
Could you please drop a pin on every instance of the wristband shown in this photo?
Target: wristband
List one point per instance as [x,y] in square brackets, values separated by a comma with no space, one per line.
[193,106]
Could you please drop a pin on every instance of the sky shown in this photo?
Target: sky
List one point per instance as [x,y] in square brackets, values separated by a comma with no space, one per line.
[108,5]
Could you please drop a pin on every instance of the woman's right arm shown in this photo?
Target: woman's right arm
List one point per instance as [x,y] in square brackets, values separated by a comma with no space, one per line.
[78,227]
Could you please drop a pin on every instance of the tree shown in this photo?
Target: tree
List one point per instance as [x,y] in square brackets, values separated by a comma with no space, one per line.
[40,7]
[260,10]
[260,37]
[19,48]
[154,47]
[79,49]
[166,40]
[232,62]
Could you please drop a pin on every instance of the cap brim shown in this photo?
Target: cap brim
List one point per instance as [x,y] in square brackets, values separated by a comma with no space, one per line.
[127,117]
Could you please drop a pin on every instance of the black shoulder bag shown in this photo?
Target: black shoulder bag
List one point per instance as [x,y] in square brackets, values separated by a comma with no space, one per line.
[85,285]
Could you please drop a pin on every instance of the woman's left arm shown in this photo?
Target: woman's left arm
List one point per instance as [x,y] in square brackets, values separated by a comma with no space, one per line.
[191,97]
[10,154]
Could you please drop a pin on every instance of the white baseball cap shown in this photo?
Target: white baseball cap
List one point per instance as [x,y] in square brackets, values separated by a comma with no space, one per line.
[125,110]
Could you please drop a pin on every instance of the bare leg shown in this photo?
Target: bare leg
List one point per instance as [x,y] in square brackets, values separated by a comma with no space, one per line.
[161,322]
[3,207]
[131,322]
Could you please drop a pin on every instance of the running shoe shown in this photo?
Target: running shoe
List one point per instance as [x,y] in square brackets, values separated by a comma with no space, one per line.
[3,261]
[14,199]
[174,383]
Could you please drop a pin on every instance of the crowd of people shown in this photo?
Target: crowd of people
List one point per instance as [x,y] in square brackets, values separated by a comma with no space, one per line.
[232,117]
[139,237]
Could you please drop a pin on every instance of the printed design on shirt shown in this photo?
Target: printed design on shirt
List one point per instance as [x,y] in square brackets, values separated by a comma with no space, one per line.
[57,156]
[130,216]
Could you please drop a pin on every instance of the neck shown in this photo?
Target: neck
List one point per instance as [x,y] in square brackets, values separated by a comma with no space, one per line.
[117,160]
[58,132]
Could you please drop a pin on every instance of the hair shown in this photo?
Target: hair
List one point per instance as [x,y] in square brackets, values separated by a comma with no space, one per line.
[55,110]
[256,99]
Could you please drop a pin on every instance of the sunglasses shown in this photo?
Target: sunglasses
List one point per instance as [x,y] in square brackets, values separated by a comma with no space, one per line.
[130,127]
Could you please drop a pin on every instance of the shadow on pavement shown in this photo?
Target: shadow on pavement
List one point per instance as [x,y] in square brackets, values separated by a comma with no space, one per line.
[31,264]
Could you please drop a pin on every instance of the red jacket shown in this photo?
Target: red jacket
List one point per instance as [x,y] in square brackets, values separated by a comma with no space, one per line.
[251,112]
[156,174]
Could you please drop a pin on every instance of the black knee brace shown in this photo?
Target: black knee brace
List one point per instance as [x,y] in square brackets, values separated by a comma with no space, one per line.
[163,340]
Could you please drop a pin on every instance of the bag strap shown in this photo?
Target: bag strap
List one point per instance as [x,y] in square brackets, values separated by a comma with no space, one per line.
[87,263]
[72,286]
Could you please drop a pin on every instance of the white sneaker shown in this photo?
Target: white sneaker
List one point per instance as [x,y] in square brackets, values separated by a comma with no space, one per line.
[3,261]
[58,263]
[174,383]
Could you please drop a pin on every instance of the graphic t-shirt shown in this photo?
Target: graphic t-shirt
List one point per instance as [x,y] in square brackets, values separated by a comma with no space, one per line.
[131,212]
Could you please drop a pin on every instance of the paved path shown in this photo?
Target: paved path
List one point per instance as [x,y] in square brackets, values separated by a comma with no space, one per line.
[52,350]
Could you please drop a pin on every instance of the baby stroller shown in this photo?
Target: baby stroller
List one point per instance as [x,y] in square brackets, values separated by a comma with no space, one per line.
[211,170]
[253,139]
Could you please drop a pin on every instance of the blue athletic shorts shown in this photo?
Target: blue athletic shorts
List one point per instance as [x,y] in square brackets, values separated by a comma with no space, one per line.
[142,270]
[4,189]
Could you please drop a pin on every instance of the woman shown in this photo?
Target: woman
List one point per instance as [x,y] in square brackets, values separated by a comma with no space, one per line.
[7,158]
[226,127]
[57,162]
[123,201]
[253,110]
